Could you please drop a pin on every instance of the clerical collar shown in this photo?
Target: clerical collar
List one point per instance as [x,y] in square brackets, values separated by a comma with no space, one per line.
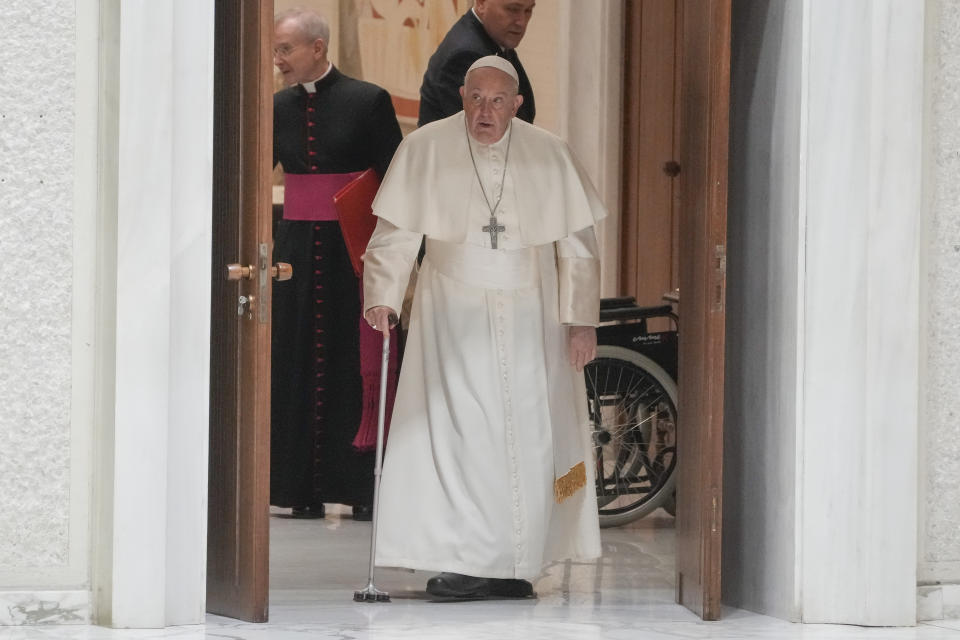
[311,87]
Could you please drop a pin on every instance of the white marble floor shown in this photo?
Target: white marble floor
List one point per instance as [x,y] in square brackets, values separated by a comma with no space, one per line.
[317,564]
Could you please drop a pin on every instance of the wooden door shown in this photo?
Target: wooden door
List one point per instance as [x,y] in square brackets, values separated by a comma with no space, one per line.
[704,116]
[650,222]
[239,476]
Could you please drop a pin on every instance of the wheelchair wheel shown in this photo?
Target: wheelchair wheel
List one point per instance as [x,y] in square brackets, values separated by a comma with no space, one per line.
[633,412]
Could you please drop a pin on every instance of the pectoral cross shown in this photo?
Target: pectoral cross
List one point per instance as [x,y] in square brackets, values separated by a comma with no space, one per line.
[493,229]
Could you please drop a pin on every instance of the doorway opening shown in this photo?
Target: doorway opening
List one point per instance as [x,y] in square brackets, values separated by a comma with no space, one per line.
[243,566]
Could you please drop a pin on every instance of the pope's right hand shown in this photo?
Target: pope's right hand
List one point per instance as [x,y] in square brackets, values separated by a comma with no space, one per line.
[381,318]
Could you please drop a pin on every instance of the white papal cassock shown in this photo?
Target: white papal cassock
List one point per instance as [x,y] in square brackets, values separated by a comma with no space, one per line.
[488,469]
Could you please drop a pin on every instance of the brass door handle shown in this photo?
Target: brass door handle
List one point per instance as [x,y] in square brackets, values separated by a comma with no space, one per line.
[261,272]
[239,272]
[281,271]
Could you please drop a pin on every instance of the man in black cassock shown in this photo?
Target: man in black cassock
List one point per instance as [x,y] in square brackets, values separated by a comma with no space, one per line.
[491,27]
[327,128]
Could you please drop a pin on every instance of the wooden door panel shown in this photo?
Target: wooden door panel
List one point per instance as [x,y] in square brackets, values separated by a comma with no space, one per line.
[239,473]
[705,73]
[649,228]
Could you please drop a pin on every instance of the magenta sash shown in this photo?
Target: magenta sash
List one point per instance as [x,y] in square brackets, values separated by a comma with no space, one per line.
[309,196]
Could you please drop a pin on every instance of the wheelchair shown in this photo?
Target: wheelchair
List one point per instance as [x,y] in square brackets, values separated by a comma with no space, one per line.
[632,400]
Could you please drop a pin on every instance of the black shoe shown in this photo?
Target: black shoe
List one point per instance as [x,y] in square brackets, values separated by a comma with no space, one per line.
[363,512]
[307,513]
[455,585]
[511,588]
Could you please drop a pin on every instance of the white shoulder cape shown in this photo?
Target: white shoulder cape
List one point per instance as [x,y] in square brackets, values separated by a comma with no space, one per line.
[431,183]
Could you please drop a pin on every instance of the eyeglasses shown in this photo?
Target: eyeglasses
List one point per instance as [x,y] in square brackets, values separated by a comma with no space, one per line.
[285,50]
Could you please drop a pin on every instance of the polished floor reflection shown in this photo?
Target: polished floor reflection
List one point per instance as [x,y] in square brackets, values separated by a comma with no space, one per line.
[317,564]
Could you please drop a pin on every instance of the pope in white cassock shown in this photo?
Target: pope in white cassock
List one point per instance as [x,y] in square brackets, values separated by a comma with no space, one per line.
[488,474]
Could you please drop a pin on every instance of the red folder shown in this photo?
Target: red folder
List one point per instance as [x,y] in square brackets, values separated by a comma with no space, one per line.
[354,208]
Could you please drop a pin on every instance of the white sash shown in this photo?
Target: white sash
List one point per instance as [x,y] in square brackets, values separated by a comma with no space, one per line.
[485,268]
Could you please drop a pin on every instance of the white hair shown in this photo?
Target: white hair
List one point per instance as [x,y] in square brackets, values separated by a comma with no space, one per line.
[311,23]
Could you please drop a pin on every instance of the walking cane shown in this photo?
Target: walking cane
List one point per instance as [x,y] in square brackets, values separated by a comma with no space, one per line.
[370,593]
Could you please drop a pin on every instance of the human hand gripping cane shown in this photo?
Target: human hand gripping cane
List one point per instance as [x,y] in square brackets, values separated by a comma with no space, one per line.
[380,319]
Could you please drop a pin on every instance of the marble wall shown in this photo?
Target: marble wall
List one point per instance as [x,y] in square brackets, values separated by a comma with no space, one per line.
[939,555]
[36,241]
[44,319]
[860,382]
[823,334]
[48,107]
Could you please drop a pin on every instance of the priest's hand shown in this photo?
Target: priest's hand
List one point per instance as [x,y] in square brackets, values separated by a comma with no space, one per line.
[582,345]
[382,319]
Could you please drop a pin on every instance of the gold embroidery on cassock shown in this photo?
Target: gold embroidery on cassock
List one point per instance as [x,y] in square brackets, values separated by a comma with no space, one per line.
[570,483]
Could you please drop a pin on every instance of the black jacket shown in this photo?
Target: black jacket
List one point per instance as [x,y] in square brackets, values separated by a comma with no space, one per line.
[466,42]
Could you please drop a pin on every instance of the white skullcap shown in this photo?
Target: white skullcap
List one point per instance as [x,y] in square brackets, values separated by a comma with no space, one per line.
[497,63]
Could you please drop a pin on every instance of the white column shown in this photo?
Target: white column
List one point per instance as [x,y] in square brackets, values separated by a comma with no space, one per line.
[151,559]
[861,190]
[190,269]
[143,220]
[822,375]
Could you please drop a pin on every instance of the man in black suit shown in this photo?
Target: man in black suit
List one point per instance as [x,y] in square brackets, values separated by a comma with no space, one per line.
[491,27]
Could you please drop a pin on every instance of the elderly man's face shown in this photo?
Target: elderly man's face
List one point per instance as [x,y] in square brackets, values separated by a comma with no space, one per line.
[505,20]
[297,58]
[490,101]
